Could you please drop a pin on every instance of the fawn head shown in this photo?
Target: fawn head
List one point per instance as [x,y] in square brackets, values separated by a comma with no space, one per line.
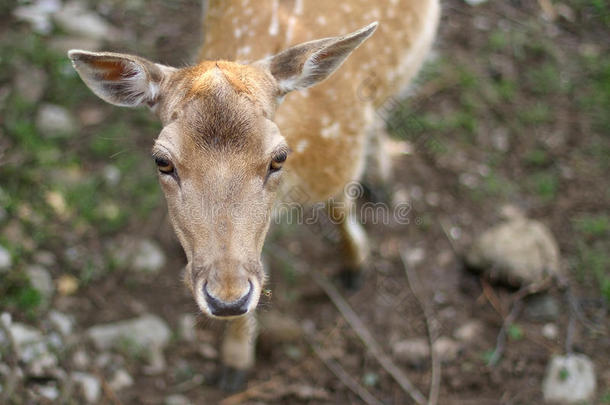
[219,154]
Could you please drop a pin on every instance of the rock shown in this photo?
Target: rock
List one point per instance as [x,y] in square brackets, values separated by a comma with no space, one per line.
[61,322]
[279,328]
[414,352]
[474,2]
[76,20]
[50,392]
[176,400]
[38,14]
[469,331]
[5,259]
[542,308]
[24,334]
[89,385]
[550,331]
[54,121]
[80,359]
[518,252]
[120,380]
[145,332]
[112,175]
[186,327]
[30,82]
[41,281]
[447,349]
[148,258]
[415,256]
[569,379]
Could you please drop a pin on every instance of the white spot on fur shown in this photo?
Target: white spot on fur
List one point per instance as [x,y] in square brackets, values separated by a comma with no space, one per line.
[301,146]
[274,26]
[331,131]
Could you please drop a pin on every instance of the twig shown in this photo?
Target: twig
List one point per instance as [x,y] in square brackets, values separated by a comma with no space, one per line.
[492,298]
[414,285]
[501,339]
[366,337]
[342,375]
[13,358]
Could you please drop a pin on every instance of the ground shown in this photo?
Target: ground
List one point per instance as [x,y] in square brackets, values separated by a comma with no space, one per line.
[512,108]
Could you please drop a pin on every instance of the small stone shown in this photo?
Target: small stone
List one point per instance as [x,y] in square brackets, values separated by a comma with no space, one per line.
[5,259]
[30,82]
[145,256]
[447,349]
[176,400]
[186,327]
[89,385]
[50,392]
[550,331]
[415,256]
[569,379]
[61,322]
[41,281]
[469,331]
[77,20]
[112,175]
[67,284]
[279,328]
[54,121]
[414,352]
[542,308]
[80,359]
[516,252]
[143,333]
[120,380]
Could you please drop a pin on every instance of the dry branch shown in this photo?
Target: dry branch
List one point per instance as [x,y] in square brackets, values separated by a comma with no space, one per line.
[366,337]
[415,287]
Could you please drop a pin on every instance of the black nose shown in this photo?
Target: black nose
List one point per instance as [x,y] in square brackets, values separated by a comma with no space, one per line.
[223,308]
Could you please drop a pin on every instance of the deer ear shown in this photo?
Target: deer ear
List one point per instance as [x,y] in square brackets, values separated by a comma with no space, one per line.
[120,79]
[307,64]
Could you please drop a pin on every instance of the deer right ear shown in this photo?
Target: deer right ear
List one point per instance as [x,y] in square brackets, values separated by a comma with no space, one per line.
[307,64]
[120,79]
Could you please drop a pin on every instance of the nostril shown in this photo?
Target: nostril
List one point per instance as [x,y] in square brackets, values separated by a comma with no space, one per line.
[223,308]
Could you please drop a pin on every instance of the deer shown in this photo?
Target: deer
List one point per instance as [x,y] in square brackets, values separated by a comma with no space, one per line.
[255,116]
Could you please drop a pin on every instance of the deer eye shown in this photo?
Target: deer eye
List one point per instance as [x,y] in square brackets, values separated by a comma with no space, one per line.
[164,165]
[277,162]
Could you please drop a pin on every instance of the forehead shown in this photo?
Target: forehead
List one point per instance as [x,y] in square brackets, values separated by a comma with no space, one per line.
[220,105]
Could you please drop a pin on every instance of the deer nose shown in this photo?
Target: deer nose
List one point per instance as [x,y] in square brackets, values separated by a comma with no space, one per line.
[222,308]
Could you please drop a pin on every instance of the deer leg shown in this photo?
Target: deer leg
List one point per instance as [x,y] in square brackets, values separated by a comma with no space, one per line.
[353,238]
[238,352]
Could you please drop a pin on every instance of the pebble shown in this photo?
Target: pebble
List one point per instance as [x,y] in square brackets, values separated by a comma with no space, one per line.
[89,385]
[550,331]
[569,379]
[54,121]
[121,379]
[143,332]
[469,331]
[5,259]
[41,281]
[80,359]
[61,322]
[517,252]
[415,352]
[76,20]
[176,400]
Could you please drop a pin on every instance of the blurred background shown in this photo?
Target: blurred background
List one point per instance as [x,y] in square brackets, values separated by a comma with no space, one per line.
[505,141]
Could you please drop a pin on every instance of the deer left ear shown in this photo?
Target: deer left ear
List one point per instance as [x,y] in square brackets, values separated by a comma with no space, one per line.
[307,64]
[120,79]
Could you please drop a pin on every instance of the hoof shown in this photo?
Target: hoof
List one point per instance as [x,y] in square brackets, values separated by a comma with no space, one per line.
[232,379]
[351,279]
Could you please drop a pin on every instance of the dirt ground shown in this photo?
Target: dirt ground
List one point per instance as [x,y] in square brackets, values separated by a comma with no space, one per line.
[511,109]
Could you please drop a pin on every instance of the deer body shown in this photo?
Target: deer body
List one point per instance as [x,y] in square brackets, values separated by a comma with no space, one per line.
[223,152]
